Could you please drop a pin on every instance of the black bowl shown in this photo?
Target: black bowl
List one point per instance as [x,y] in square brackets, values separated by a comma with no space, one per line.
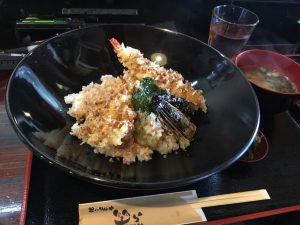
[272,103]
[60,66]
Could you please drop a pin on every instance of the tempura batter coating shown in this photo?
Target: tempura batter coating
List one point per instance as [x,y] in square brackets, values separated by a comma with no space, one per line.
[138,67]
[105,117]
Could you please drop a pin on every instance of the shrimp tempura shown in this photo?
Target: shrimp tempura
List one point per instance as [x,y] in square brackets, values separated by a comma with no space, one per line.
[138,67]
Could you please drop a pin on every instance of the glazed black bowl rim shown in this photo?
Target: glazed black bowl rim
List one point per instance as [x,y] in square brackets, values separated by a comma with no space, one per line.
[128,184]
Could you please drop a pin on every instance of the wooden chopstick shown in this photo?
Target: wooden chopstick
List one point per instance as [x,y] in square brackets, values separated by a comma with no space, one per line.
[226,199]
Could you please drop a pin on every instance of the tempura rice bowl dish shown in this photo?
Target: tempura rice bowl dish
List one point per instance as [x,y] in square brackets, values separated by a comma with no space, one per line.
[116,117]
[43,103]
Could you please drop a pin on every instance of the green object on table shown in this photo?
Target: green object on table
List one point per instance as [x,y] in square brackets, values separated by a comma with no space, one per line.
[43,21]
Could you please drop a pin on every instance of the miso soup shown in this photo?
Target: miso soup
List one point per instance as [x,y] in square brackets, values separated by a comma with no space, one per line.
[270,80]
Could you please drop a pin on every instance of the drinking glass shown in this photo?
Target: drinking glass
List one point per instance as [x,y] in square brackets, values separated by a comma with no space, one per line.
[230,28]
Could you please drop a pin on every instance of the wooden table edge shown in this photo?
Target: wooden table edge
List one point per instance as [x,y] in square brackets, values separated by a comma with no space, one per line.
[26,189]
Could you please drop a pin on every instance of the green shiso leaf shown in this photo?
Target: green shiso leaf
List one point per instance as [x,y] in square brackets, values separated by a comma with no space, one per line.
[141,97]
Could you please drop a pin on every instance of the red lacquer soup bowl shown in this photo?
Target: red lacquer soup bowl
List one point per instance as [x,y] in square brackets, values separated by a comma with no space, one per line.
[272,101]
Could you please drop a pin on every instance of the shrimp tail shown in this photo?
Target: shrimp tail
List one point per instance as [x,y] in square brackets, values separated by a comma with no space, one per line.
[114,42]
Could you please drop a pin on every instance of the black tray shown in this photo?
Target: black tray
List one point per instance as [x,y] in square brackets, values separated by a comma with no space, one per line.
[54,196]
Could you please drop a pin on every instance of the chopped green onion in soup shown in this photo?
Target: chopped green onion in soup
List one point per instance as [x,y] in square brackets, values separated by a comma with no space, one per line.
[270,80]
